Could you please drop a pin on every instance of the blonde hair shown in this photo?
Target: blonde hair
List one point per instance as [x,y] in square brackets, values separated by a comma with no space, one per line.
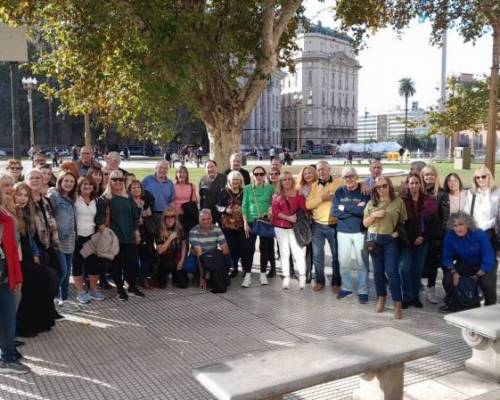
[280,189]
[8,203]
[108,192]
[163,226]
[482,170]
[300,178]
[427,169]
[235,175]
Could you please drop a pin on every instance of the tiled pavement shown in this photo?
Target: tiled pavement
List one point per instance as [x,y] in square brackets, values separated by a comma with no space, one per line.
[145,349]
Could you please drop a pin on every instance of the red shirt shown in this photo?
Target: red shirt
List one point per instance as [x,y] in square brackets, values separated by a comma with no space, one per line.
[288,206]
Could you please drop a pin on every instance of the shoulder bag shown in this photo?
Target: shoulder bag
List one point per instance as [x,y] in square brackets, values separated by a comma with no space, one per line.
[261,227]
[233,221]
[190,213]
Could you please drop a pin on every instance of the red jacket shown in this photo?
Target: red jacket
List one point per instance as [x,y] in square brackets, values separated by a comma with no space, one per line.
[288,206]
[9,247]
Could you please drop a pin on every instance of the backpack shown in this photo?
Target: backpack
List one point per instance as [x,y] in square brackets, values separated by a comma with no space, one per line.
[215,262]
[302,228]
[465,295]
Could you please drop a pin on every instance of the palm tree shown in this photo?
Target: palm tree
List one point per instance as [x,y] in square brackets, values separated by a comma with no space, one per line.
[407,90]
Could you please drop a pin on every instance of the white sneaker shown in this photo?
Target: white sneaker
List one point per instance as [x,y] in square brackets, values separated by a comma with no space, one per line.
[247,280]
[302,281]
[286,282]
[430,295]
[263,279]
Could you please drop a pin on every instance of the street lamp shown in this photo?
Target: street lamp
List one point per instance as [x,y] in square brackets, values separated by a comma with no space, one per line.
[298,100]
[29,84]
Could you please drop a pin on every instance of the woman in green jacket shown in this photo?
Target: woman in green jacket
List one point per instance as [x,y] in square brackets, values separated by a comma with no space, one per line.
[256,206]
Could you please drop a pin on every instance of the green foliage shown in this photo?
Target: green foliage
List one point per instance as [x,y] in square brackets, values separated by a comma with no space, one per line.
[406,88]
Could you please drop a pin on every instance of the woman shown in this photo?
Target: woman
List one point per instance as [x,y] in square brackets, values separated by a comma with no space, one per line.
[11,281]
[49,180]
[145,204]
[467,251]
[36,309]
[46,235]
[97,175]
[307,176]
[229,206]
[420,208]
[117,210]
[285,205]
[436,229]
[62,199]
[456,193]
[256,207]
[273,177]
[184,193]
[7,188]
[172,251]
[91,266]
[382,215]
[15,169]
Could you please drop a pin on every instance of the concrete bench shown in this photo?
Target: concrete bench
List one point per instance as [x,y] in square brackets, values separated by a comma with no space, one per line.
[378,354]
[481,331]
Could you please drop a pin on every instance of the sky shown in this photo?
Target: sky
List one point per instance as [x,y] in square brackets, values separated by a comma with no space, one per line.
[388,58]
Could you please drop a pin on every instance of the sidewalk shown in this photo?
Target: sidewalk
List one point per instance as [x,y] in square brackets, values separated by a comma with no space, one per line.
[146,348]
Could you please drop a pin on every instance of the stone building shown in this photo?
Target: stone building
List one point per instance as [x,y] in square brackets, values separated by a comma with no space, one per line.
[319,101]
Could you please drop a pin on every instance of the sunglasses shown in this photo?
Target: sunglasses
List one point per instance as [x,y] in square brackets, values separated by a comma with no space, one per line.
[274,174]
[259,174]
[169,216]
[383,186]
[481,177]
[118,179]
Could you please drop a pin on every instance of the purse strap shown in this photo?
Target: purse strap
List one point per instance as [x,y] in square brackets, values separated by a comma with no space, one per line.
[255,201]
[472,205]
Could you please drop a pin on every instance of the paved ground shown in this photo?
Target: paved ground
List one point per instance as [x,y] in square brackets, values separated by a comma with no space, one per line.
[146,348]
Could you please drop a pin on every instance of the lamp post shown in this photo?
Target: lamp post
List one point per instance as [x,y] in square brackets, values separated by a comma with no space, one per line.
[29,84]
[298,104]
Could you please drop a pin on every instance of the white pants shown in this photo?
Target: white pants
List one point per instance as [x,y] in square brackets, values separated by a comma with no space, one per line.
[286,240]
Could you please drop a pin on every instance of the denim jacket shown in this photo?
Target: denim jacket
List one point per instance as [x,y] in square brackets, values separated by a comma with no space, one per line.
[64,210]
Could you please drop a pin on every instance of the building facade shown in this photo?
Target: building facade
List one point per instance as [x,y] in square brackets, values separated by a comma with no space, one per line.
[263,128]
[319,101]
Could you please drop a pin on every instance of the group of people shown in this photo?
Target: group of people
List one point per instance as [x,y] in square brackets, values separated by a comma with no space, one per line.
[96,222]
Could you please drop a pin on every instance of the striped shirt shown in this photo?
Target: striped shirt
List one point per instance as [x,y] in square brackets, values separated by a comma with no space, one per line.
[207,241]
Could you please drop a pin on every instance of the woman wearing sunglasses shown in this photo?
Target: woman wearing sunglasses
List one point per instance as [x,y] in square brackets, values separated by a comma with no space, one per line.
[15,169]
[118,211]
[382,215]
[255,207]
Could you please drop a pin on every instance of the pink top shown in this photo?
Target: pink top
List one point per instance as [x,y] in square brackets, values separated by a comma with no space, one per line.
[183,195]
[287,206]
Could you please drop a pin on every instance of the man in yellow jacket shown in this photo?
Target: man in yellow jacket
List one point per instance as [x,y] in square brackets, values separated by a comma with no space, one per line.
[319,202]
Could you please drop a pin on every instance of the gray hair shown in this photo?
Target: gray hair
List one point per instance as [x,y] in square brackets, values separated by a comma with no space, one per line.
[235,175]
[325,163]
[349,171]
[114,155]
[462,216]
[205,211]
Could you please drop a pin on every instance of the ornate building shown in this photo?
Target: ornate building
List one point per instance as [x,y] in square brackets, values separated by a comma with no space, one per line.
[319,100]
[263,128]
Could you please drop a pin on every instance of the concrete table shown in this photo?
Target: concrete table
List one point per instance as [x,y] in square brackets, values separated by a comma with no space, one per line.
[481,331]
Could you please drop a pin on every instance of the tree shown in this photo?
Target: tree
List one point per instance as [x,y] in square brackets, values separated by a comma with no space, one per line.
[406,90]
[130,62]
[472,18]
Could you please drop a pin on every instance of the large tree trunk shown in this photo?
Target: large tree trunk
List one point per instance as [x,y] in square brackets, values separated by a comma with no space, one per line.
[87,134]
[223,143]
[491,139]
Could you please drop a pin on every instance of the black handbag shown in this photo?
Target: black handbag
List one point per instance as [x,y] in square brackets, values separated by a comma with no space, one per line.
[190,213]
[4,274]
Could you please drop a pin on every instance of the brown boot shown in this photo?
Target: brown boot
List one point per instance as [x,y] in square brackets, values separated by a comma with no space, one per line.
[148,283]
[398,314]
[380,304]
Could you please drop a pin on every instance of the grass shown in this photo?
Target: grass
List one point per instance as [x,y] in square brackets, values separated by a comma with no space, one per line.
[443,169]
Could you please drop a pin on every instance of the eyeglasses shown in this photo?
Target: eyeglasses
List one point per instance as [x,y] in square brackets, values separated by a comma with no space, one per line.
[274,173]
[169,216]
[259,174]
[349,176]
[16,168]
[383,186]
[481,177]
[118,179]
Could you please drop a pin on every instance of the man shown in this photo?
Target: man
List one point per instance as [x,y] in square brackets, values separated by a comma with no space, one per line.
[277,164]
[210,187]
[376,169]
[39,159]
[323,227]
[86,161]
[162,189]
[207,237]
[272,153]
[348,206]
[113,162]
[235,165]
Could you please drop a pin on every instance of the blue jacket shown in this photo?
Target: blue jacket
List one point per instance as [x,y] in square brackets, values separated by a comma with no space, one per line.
[163,192]
[350,218]
[64,210]
[472,249]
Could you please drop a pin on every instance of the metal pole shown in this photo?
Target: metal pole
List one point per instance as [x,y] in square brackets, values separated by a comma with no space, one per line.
[16,153]
[51,123]
[440,139]
[30,107]
[299,147]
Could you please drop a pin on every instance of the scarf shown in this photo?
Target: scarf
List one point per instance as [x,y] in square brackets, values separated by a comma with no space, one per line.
[9,247]
[46,227]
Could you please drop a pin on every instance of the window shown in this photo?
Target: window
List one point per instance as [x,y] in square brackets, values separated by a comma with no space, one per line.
[310,118]
[323,99]
[310,98]
[309,78]
[333,80]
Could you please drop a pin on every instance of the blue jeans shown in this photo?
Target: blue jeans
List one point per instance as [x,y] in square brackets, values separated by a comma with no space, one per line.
[320,233]
[411,265]
[65,262]
[7,323]
[385,266]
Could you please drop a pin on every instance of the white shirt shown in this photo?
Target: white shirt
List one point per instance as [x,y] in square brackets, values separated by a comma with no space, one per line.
[85,217]
[485,207]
